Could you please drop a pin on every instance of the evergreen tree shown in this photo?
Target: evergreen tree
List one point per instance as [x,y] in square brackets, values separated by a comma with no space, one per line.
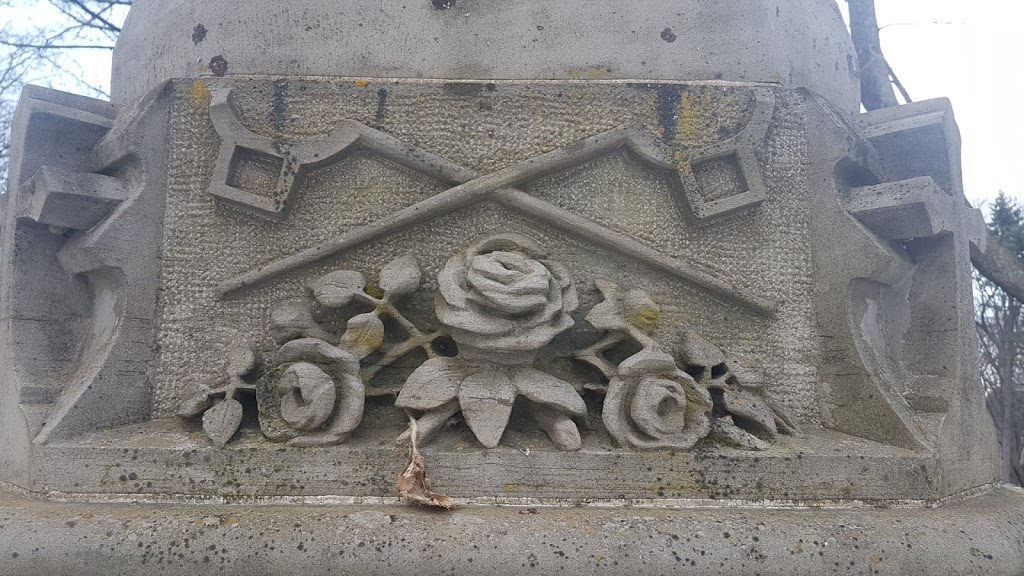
[1001,333]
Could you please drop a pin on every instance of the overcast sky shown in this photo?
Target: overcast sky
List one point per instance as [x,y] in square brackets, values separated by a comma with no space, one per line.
[968,51]
[972,53]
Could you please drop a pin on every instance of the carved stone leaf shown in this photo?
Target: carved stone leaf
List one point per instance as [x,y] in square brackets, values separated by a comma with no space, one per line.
[222,421]
[558,426]
[310,350]
[784,419]
[337,289]
[364,334]
[639,310]
[486,400]
[195,405]
[293,319]
[725,431]
[753,413]
[696,351]
[400,277]
[433,384]
[606,316]
[647,361]
[241,359]
[546,389]
[746,376]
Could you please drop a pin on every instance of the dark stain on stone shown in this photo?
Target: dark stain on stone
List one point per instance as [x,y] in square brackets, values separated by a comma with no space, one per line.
[491,87]
[670,96]
[279,110]
[218,65]
[668,35]
[443,4]
[382,107]
[463,88]
[198,34]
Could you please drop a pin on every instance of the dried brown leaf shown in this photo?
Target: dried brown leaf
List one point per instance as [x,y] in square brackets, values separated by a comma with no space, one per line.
[413,484]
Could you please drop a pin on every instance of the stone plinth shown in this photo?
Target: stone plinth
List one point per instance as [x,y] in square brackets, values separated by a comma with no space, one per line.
[638,277]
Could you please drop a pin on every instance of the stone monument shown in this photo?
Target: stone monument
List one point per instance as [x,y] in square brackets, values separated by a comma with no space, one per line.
[636,282]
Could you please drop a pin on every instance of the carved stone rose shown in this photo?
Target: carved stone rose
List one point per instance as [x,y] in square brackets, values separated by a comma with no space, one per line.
[502,300]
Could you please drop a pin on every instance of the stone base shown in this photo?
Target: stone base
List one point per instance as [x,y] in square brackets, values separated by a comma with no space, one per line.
[171,459]
[983,535]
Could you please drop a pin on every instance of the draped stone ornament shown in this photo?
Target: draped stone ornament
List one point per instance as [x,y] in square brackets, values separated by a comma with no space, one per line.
[502,301]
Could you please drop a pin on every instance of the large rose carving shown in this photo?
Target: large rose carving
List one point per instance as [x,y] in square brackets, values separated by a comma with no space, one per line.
[502,300]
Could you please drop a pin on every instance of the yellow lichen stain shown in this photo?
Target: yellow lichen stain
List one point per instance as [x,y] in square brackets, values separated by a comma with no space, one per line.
[509,488]
[674,489]
[233,520]
[646,320]
[200,93]
[592,73]
[876,559]
[374,290]
[361,83]
[686,126]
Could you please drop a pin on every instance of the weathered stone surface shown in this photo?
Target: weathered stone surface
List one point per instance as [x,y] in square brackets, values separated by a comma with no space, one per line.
[666,271]
[979,536]
[793,43]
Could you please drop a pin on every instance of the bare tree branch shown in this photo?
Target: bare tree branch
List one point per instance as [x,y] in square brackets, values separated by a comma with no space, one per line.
[875,85]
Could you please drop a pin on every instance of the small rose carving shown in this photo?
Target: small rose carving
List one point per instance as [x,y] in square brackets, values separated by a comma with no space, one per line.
[503,301]
[320,390]
[652,404]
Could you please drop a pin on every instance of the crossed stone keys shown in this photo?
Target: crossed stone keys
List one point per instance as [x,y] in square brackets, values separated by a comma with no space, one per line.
[295,159]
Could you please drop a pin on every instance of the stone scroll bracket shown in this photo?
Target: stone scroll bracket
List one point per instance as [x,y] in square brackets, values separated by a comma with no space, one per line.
[725,178]
[919,205]
[897,362]
[41,308]
[83,230]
